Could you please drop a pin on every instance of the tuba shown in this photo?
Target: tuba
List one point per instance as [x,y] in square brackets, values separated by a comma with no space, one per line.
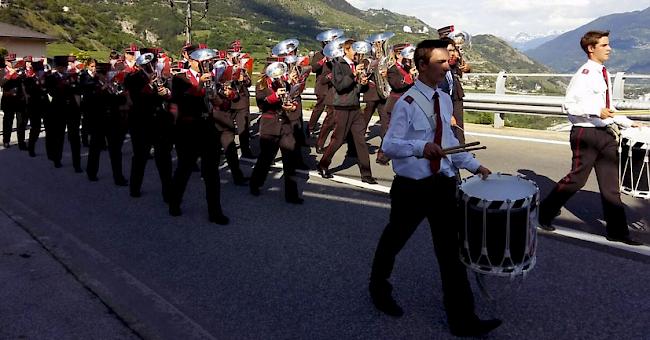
[383,61]
[409,53]
[334,48]
[363,49]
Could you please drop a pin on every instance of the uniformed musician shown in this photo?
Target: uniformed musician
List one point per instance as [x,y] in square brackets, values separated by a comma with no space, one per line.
[349,81]
[13,102]
[588,102]
[425,186]
[196,136]
[276,133]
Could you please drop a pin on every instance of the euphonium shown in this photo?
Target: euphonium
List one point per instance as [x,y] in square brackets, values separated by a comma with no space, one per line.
[383,59]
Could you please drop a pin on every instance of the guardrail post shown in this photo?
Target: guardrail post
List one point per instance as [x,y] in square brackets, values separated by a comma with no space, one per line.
[617,89]
[500,85]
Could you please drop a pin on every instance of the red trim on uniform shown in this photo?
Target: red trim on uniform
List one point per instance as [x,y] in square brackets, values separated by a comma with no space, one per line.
[322,61]
[272,99]
[567,178]
[408,79]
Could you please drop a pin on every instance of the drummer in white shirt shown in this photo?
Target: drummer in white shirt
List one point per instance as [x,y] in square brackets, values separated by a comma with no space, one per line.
[593,140]
[425,186]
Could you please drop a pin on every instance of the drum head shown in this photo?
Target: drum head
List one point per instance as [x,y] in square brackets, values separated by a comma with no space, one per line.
[637,135]
[499,187]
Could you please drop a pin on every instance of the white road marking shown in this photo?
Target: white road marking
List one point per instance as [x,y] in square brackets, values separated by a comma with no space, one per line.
[581,235]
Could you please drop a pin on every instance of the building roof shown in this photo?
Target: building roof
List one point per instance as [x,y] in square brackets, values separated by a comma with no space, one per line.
[12,31]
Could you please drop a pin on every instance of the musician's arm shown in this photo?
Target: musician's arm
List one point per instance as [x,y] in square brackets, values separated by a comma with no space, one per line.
[343,78]
[397,143]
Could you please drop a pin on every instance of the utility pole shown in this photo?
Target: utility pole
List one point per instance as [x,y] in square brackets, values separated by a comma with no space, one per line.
[188,14]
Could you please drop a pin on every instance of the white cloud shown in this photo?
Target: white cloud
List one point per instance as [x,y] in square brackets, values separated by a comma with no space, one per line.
[507,17]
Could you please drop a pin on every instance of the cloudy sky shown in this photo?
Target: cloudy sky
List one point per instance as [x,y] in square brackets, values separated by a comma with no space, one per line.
[506,18]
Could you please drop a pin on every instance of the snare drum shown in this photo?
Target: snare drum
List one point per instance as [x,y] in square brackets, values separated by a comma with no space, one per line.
[499,236]
[633,168]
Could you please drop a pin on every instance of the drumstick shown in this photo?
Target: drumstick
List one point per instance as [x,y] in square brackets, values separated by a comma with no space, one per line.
[465,150]
[461,146]
[632,112]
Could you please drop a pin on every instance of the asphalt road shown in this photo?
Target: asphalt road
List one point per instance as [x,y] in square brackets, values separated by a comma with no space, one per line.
[285,271]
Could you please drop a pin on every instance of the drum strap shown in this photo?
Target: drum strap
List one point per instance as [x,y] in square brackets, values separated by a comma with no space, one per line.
[425,105]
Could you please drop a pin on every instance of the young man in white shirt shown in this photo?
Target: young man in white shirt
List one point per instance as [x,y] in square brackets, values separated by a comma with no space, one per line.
[588,103]
[425,186]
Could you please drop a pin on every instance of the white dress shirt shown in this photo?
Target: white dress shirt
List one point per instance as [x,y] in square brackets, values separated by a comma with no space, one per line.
[410,131]
[586,97]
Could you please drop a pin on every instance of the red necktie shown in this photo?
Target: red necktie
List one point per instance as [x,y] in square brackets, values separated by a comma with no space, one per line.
[354,69]
[437,137]
[606,90]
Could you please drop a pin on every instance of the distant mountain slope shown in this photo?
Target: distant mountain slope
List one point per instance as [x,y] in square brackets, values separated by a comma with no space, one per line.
[491,54]
[630,38]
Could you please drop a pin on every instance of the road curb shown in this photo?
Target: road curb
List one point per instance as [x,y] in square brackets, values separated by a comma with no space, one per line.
[139,307]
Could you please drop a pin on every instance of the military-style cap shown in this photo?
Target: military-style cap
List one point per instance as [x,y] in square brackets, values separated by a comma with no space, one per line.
[60,60]
[132,49]
[28,58]
[10,57]
[399,47]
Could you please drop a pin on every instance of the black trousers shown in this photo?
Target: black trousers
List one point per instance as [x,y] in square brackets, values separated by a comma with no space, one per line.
[348,121]
[269,146]
[371,107]
[316,112]
[35,116]
[244,131]
[8,122]
[100,131]
[411,201]
[327,127]
[194,139]
[156,132]
[230,149]
[60,117]
[593,148]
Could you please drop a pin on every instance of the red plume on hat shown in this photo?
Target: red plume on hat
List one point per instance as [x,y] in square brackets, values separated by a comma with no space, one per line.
[235,46]
[444,31]
[133,48]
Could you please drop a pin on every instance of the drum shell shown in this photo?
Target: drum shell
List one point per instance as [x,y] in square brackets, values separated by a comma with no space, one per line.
[634,168]
[521,248]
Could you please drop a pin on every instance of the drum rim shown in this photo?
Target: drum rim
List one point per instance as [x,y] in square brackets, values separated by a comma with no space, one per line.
[520,203]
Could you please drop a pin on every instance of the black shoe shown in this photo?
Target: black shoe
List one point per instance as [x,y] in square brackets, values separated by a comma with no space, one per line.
[93,178]
[78,169]
[136,194]
[57,164]
[296,200]
[243,181]
[320,150]
[255,191]
[546,226]
[368,179]
[325,173]
[219,219]
[475,328]
[381,296]
[625,239]
[22,146]
[32,153]
[121,182]
[175,210]
[6,145]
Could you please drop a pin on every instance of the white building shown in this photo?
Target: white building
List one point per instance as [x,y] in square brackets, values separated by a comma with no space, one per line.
[22,41]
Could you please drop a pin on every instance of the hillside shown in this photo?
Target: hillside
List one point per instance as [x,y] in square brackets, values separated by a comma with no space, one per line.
[100,25]
[630,38]
[105,24]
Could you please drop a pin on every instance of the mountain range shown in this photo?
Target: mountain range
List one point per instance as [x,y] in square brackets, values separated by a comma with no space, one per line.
[524,41]
[629,37]
[97,26]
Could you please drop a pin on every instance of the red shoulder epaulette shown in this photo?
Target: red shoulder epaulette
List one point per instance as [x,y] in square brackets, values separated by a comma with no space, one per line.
[408,99]
[585,71]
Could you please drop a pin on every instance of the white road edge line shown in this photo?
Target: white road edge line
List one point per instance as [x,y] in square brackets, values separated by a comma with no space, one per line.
[527,139]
